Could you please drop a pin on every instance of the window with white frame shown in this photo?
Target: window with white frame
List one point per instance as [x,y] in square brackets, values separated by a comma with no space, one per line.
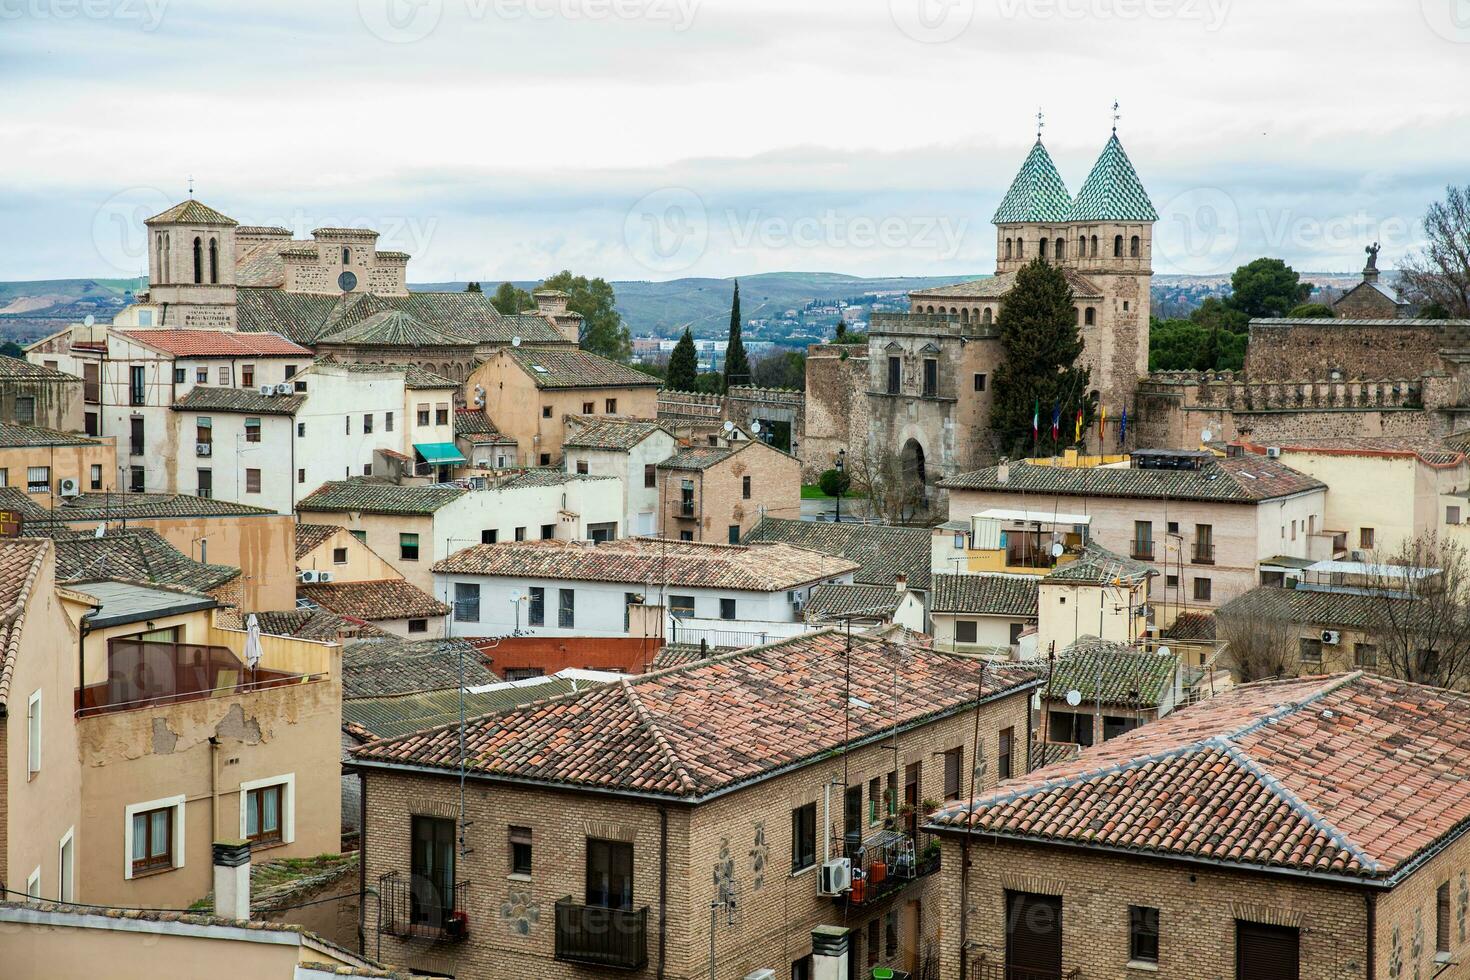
[153,836]
[33,734]
[33,886]
[65,865]
[268,810]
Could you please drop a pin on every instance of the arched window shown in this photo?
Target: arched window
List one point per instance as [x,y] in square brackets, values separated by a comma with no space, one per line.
[1020,247]
[168,261]
[346,255]
[930,310]
[1042,246]
[214,260]
[954,311]
[965,316]
[158,263]
[1008,248]
[198,260]
[1061,249]
[1133,247]
[1090,318]
[1082,246]
[986,317]
[1094,246]
[1117,246]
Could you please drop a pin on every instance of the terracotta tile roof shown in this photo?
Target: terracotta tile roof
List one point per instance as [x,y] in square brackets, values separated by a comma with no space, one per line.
[882,550]
[473,421]
[1049,753]
[138,554]
[215,343]
[401,714]
[752,568]
[1099,566]
[190,212]
[570,367]
[315,624]
[835,600]
[374,668]
[716,725]
[370,495]
[696,458]
[245,401]
[1354,775]
[135,506]
[15,436]
[1308,607]
[17,501]
[601,432]
[1116,673]
[16,369]
[21,560]
[377,599]
[309,536]
[985,595]
[1239,480]
[1191,626]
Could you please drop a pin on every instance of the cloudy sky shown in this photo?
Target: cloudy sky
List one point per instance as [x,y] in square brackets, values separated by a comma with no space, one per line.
[651,139]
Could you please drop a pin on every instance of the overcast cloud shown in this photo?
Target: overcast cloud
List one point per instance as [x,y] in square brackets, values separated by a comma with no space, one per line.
[639,139]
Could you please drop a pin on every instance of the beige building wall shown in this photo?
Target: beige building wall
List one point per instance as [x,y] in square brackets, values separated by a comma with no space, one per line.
[746,834]
[363,564]
[74,462]
[1067,612]
[719,500]
[381,535]
[990,631]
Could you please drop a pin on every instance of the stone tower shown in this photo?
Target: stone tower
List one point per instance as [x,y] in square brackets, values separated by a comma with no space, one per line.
[191,266]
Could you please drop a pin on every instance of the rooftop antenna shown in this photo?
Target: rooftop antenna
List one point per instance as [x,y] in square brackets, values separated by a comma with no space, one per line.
[191,185]
[1116,117]
[1040,123]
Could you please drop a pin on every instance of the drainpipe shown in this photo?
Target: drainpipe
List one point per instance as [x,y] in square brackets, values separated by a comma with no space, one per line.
[964,903]
[214,787]
[1370,899]
[663,888]
[362,868]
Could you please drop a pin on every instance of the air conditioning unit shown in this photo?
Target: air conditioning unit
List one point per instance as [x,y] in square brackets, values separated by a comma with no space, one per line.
[1273,452]
[267,390]
[324,577]
[70,488]
[1331,638]
[285,388]
[836,876]
[308,576]
[203,449]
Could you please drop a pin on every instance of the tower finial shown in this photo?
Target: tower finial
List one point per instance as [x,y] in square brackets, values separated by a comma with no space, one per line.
[1040,123]
[1115,117]
[191,185]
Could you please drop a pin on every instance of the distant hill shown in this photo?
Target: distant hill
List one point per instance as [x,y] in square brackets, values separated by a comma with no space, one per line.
[31,310]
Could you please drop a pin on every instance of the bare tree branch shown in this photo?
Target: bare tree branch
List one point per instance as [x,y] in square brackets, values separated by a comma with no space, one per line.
[1421,622]
[1260,647]
[1440,274]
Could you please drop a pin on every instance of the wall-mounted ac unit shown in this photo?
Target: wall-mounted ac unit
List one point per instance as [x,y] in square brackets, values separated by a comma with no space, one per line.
[307,576]
[1331,638]
[203,449]
[267,390]
[1273,452]
[324,576]
[70,488]
[836,876]
[284,389]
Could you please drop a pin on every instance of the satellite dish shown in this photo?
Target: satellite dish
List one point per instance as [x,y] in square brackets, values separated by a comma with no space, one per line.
[1165,651]
[88,320]
[515,341]
[1056,549]
[515,595]
[347,281]
[1206,435]
[755,427]
[101,531]
[729,426]
[1074,697]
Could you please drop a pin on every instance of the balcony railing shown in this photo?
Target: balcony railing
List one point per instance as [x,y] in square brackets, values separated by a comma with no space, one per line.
[885,862]
[1142,551]
[418,907]
[135,449]
[989,967]
[141,675]
[613,938]
[1204,554]
[686,508]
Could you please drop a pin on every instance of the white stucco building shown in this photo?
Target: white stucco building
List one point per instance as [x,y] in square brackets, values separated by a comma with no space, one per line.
[629,449]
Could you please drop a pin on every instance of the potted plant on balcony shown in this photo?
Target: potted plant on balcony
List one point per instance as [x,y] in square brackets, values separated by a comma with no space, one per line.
[929,859]
[457,924]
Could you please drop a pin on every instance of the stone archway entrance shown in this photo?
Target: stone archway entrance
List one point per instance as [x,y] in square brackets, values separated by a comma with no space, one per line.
[914,472]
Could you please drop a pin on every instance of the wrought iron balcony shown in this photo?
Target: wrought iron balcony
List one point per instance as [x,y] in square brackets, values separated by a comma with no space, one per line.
[417,907]
[613,938]
[989,967]
[886,862]
[1204,554]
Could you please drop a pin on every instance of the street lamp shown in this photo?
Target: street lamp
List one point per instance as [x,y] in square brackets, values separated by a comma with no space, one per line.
[841,476]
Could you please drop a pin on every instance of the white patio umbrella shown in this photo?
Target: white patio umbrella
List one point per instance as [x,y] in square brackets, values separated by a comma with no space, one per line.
[252,642]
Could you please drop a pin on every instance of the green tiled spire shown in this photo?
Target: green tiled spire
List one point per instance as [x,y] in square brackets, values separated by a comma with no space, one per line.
[1113,192]
[1037,193]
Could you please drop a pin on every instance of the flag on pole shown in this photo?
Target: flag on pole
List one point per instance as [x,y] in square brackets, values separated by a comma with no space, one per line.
[1078,436]
[1036,421]
[1123,427]
[1056,421]
[1102,422]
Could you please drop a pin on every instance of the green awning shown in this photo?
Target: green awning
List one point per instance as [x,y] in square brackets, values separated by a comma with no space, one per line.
[438,452]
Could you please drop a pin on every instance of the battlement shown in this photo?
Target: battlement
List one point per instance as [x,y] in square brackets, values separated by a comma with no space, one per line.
[1238,393]
[934,325]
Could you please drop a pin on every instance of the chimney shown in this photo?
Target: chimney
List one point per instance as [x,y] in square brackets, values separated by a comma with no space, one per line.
[900,583]
[1003,471]
[550,302]
[829,952]
[232,879]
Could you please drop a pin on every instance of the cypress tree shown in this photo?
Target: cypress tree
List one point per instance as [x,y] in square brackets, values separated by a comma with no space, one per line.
[1041,341]
[683,365]
[737,365]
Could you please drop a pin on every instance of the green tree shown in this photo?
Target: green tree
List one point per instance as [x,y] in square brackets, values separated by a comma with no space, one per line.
[1173,345]
[1041,344]
[833,482]
[472,287]
[841,332]
[710,383]
[1431,311]
[1214,312]
[782,369]
[11,349]
[1267,287]
[683,370]
[603,330]
[510,299]
[1312,311]
[737,365]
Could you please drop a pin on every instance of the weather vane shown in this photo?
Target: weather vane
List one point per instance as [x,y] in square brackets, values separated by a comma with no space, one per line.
[191,185]
[1040,122]
[1115,117]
